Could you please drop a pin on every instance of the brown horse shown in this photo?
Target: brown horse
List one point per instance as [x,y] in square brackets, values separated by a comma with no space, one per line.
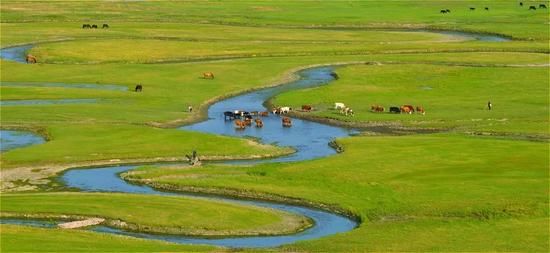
[407,109]
[30,59]
[208,75]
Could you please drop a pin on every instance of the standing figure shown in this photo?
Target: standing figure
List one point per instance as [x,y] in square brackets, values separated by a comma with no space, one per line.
[489,105]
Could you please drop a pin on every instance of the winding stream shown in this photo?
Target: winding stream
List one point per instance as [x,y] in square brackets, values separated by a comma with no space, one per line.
[309,139]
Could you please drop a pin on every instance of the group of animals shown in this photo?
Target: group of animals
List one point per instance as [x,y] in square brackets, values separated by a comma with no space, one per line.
[402,109]
[343,109]
[94,26]
[244,119]
[139,87]
[532,7]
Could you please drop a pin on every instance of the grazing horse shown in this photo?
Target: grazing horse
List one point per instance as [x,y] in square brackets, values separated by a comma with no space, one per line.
[138,88]
[395,109]
[472,8]
[208,75]
[105,26]
[334,75]
[407,109]
[285,110]
[239,124]
[486,8]
[30,59]
[259,123]
[532,7]
[86,26]
[286,122]
[264,114]
[542,6]
[339,106]
[377,108]
[228,114]
[94,26]
[443,11]
[420,109]
[306,108]
[448,11]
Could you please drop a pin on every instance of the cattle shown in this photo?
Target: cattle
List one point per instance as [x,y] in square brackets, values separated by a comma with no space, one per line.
[239,124]
[338,106]
[532,7]
[395,109]
[377,108]
[420,109]
[285,110]
[407,109]
[254,113]
[472,8]
[138,88]
[259,123]
[208,75]
[264,114]
[248,121]
[306,108]
[94,26]
[286,122]
[228,115]
[486,8]
[30,59]
[105,26]
[276,110]
[542,6]
[443,11]
[86,26]
[347,111]
[448,11]
[334,75]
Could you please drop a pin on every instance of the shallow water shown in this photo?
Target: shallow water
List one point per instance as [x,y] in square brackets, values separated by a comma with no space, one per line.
[17,53]
[16,139]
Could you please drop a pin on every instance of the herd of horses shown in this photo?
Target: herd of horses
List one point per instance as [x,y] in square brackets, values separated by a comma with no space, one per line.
[531,7]
[94,26]
[409,109]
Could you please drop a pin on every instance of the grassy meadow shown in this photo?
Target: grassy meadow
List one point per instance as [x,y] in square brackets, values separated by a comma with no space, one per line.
[479,184]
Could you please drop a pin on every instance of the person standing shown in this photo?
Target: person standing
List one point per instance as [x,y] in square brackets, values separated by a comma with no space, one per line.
[489,105]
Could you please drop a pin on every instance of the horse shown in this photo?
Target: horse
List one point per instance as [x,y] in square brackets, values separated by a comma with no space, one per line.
[448,11]
[395,109]
[105,26]
[138,88]
[520,3]
[208,75]
[286,122]
[542,6]
[339,106]
[30,59]
[443,11]
[248,121]
[276,110]
[407,109]
[334,75]
[228,114]
[86,26]
[420,109]
[377,108]
[486,8]
[239,124]
[472,8]
[259,123]
[94,26]
[532,7]
[306,108]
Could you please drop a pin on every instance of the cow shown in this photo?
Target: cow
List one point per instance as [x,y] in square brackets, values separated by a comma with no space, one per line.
[486,8]
[276,110]
[30,59]
[259,123]
[105,26]
[407,109]
[339,106]
[264,114]
[532,7]
[228,115]
[377,108]
[420,109]
[208,75]
[286,122]
[395,109]
[285,110]
[239,124]
[542,6]
[472,8]
[138,88]
[86,26]
[94,26]
[347,111]
[334,75]
[248,121]
[306,108]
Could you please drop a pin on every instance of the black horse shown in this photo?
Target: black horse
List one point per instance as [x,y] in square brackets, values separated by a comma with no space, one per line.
[228,115]
[138,88]
[486,8]
[105,26]
[542,6]
[86,26]
[94,26]
[520,3]
[395,109]
[472,8]
[532,7]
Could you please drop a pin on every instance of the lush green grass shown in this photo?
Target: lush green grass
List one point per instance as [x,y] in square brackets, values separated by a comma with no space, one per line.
[156,213]
[472,191]
[452,96]
[28,239]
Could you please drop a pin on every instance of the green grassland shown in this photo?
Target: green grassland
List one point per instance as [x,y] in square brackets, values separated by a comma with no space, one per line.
[440,192]
[414,187]
[158,214]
